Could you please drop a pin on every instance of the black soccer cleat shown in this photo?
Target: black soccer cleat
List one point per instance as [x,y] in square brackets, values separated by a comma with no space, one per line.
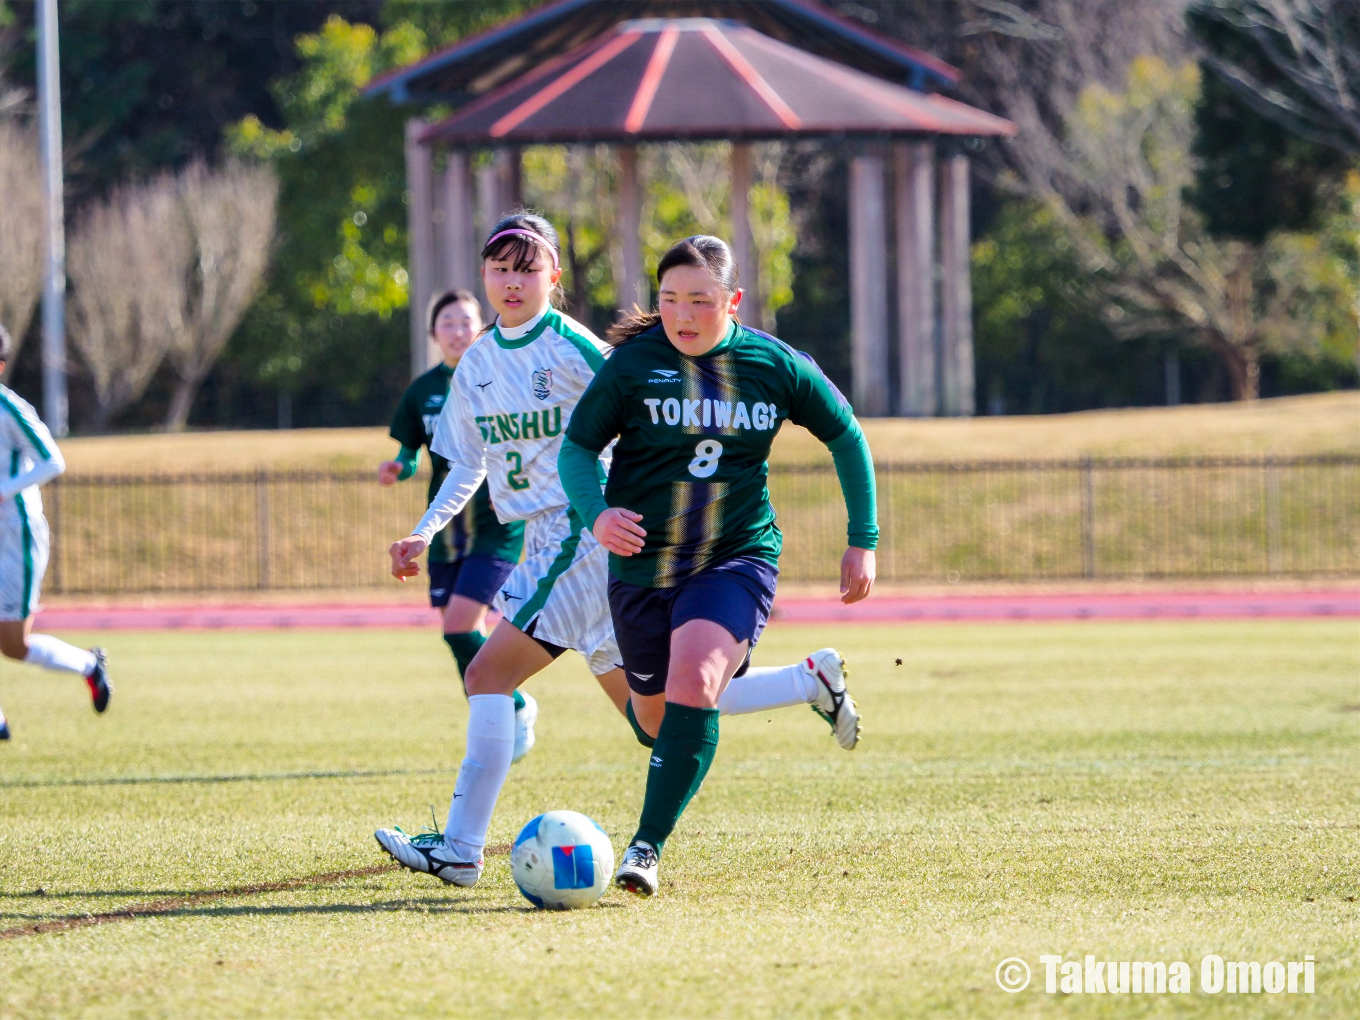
[98,680]
[4,728]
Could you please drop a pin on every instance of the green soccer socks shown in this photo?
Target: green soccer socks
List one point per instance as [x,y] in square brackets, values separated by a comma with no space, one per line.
[643,737]
[466,645]
[684,750]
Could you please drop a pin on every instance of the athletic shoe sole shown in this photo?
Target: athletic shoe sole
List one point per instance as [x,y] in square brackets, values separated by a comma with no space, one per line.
[446,871]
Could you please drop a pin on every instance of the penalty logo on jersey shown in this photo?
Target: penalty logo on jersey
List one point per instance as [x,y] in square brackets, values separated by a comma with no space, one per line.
[542,380]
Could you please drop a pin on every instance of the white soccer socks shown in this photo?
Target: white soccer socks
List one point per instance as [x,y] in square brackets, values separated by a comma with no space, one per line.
[490,744]
[768,687]
[53,653]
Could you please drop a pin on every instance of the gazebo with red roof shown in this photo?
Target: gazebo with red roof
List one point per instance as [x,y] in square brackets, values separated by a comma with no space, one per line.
[700,78]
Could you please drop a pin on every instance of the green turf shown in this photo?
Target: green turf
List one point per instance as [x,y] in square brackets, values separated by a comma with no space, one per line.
[1137,791]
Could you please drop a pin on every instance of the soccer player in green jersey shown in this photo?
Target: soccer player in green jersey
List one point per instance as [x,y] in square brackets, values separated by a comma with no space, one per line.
[472,556]
[695,400]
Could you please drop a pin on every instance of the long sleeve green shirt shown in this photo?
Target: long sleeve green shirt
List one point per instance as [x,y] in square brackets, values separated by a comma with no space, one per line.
[694,437]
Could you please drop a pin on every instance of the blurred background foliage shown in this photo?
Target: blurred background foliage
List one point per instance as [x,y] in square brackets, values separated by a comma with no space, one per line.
[149,85]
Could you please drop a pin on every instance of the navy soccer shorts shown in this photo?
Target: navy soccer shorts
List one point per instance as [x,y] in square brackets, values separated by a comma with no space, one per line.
[736,595]
[477,576]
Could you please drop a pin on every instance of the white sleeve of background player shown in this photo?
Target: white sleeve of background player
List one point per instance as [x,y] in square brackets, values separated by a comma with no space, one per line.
[459,441]
[27,433]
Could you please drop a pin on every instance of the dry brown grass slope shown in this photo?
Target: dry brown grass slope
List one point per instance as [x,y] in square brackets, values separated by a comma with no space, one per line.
[1318,423]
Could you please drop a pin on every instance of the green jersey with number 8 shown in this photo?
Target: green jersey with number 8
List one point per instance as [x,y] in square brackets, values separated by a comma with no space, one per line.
[694,435]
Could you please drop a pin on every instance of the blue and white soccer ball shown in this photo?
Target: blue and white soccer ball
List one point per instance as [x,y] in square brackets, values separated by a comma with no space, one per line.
[562,860]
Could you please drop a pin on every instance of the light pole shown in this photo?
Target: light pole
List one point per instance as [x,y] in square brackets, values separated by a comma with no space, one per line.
[54,276]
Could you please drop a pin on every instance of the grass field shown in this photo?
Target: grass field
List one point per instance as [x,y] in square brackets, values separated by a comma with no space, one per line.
[1136,791]
[1319,423]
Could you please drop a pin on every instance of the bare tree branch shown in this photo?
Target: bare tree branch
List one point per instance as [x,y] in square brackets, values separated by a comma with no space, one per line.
[1315,46]
[229,214]
[21,229]
[126,260]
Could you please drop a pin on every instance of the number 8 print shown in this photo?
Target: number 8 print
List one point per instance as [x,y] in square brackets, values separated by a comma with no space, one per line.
[705,462]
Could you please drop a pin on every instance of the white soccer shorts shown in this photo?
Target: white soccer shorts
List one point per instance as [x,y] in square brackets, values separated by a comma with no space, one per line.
[24,544]
[561,590]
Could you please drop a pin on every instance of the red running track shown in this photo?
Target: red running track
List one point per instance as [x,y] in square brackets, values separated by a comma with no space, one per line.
[1216,605]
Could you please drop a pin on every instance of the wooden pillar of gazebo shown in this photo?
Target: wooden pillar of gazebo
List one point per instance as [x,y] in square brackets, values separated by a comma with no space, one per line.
[918,395]
[629,281]
[510,162]
[421,242]
[956,290]
[457,236]
[868,286]
[743,243]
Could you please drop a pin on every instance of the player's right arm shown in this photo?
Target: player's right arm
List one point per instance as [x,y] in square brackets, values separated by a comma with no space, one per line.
[27,434]
[595,423]
[458,440]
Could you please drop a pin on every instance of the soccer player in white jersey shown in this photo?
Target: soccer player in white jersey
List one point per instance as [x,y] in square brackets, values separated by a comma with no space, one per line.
[31,458]
[509,405]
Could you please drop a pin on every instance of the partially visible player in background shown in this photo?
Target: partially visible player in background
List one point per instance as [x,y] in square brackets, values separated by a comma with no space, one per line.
[472,556]
[31,459]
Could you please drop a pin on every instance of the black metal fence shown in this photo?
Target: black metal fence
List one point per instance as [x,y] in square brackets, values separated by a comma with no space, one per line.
[941,522]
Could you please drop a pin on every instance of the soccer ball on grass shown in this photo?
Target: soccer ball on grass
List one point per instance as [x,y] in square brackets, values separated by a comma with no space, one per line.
[562,860]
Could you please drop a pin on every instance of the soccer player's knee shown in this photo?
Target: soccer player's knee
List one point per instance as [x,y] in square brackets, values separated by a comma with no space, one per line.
[477,679]
[643,737]
[696,687]
[465,646]
[13,647]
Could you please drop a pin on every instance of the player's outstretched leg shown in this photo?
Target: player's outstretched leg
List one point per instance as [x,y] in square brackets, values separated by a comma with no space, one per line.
[509,658]
[465,645]
[819,681]
[47,652]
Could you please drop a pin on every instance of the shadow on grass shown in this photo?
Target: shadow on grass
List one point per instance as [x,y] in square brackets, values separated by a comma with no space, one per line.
[39,924]
[248,777]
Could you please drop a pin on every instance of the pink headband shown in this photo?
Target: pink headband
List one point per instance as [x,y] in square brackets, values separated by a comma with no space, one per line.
[540,241]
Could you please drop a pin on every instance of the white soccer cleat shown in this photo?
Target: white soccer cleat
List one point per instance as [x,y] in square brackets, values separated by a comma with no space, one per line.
[637,873]
[428,853]
[833,702]
[524,728]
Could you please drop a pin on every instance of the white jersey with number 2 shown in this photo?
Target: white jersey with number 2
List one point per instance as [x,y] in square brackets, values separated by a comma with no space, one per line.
[507,411]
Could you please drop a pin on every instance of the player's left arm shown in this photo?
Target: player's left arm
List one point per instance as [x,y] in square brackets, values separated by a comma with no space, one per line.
[31,436]
[596,422]
[820,408]
[408,429]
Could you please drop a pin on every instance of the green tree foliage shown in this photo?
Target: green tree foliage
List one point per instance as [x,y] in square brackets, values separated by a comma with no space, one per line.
[148,84]
[326,320]
[332,323]
[1041,347]
[1253,176]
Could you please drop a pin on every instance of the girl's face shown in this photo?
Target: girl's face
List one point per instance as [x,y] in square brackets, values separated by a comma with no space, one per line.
[519,295]
[455,327]
[696,310]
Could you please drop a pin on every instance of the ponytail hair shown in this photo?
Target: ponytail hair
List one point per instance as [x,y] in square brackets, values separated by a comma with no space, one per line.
[702,251]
